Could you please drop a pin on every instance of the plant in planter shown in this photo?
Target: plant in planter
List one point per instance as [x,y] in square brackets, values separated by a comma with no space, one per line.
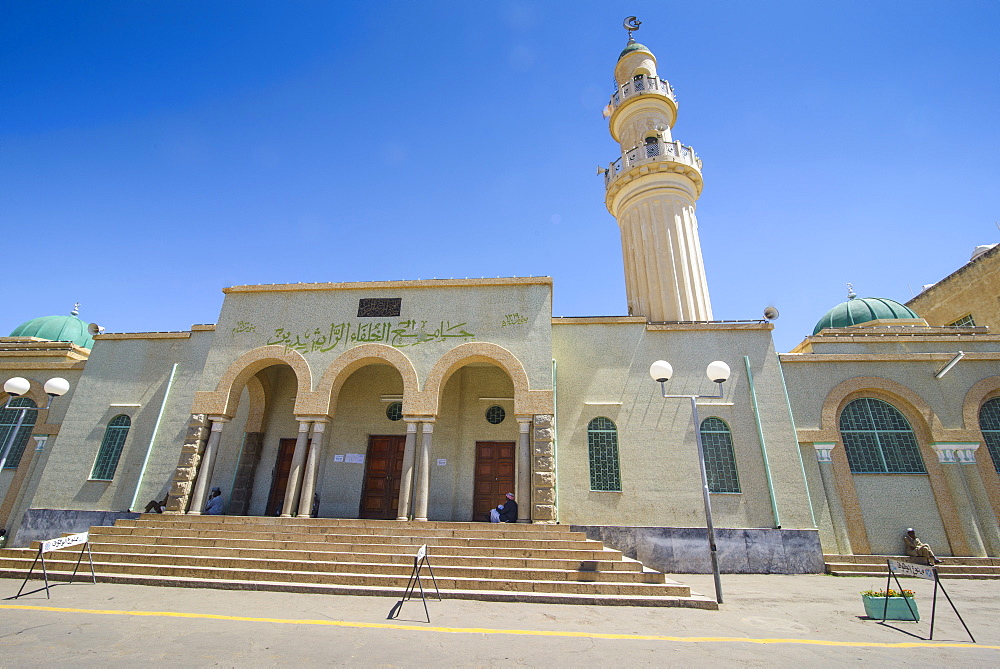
[901,604]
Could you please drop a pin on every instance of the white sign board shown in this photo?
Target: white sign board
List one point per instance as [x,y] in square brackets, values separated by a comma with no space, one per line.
[338,458]
[355,458]
[64,542]
[442,462]
[901,568]
[422,552]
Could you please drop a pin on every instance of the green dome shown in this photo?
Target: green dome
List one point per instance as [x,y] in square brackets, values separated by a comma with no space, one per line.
[862,310]
[57,328]
[633,46]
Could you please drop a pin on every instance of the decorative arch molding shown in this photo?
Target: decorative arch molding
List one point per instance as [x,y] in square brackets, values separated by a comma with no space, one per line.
[926,426]
[324,400]
[259,391]
[977,396]
[923,420]
[478,351]
[226,396]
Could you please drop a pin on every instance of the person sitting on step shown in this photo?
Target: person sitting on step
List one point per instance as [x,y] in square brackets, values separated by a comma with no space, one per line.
[214,506]
[155,506]
[916,548]
[506,512]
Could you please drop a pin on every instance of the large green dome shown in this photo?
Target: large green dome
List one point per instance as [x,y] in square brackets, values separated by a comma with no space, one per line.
[57,328]
[863,310]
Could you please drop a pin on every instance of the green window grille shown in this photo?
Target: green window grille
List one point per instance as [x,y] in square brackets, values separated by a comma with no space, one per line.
[111,448]
[964,321]
[989,423]
[8,421]
[394,411]
[602,443]
[878,439]
[720,460]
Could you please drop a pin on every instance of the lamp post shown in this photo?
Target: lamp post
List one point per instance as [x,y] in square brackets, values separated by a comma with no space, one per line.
[718,372]
[17,386]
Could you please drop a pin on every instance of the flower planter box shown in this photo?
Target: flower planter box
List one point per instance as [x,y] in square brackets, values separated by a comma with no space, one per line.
[897,610]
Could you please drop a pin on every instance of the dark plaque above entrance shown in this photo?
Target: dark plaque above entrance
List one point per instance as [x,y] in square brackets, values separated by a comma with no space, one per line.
[375,307]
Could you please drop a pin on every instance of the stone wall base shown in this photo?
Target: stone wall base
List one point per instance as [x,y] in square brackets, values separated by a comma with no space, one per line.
[45,524]
[684,550]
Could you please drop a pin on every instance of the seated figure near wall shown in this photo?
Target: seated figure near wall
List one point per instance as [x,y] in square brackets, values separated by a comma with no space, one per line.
[916,548]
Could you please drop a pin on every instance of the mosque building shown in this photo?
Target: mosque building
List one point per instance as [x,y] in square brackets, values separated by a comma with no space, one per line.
[430,399]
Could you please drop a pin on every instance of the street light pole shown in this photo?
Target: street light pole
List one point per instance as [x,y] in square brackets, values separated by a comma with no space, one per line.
[718,372]
[18,386]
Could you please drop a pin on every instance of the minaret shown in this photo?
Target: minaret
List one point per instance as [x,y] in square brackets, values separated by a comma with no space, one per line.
[652,190]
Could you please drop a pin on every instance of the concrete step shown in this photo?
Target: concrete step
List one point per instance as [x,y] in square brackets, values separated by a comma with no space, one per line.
[589,599]
[399,557]
[585,551]
[470,560]
[14,566]
[264,521]
[352,567]
[874,565]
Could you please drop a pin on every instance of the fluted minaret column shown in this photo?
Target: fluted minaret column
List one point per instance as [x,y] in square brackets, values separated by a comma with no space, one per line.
[652,190]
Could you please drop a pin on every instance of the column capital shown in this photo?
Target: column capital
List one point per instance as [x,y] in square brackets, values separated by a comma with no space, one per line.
[303,425]
[952,452]
[219,419]
[319,426]
[823,449]
[427,426]
[411,425]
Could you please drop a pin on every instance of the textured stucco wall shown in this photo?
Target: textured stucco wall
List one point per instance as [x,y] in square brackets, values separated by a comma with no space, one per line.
[603,371]
[892,503]
[126,371]
[516,317]
[973,288]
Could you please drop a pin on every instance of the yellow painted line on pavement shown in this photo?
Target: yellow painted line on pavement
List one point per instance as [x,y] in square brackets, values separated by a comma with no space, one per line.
[486,630]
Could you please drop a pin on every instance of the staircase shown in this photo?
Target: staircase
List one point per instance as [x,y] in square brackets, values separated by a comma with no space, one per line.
[503,562]
[874,565]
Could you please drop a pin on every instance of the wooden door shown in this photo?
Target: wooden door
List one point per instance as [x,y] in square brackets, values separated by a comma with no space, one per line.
[279,483]
[494,475]
[383,470]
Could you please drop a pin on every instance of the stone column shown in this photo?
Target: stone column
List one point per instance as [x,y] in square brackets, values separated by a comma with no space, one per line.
[522,489]
[312,470]
[543,477]
[946,453]
[979,498]
[409,457]
[295,471]
[207,465]
[838,518]
[423,471]
[187,465]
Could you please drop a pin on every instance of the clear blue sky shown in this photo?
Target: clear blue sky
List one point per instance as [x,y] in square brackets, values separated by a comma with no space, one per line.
[152,153]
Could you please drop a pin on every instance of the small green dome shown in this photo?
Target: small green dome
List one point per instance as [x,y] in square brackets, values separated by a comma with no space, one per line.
[633,46]
[862,310]
[57,328]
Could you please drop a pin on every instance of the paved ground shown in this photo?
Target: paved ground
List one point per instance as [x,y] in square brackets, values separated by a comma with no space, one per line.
[765,621]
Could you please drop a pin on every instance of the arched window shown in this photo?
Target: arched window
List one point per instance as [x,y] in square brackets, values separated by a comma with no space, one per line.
[602,443]
[111,448]
[8,421]
[720,461]
[989,423]
[878,439]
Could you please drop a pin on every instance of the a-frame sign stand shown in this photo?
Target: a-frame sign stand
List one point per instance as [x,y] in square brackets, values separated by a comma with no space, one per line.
[931,574]
[55,544]
[419,560]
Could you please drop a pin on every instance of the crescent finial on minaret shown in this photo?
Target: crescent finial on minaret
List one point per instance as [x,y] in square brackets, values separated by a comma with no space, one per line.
[631,24]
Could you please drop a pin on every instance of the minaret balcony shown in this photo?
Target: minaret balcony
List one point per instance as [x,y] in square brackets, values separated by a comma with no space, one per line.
[657,156]
[640,85]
